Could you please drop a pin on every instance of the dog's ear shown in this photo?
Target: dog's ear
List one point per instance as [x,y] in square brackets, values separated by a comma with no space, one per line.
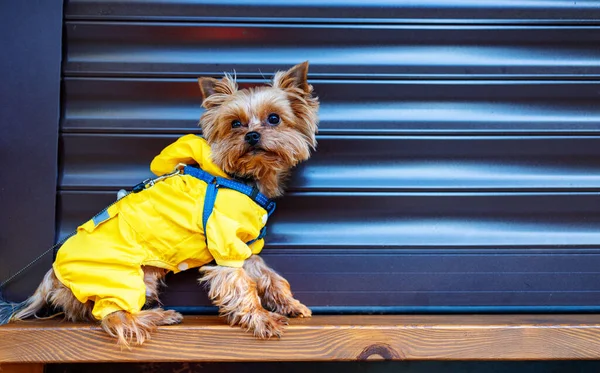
[215,92]
[296,77]
[300,95]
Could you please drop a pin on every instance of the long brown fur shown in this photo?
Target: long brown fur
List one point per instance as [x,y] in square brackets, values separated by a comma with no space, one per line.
[236,295]
[282,146]
[52,292]
[240,293]
[136,328]
[274,290]
[126,328]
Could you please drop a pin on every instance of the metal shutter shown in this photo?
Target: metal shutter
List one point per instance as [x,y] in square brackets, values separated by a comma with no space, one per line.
[30,71]
[459,151]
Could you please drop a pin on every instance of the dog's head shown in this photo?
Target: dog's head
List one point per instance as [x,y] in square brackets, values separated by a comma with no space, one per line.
[260,133]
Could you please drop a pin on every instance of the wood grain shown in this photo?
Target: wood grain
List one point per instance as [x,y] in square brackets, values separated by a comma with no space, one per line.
[322,338]
[21,368]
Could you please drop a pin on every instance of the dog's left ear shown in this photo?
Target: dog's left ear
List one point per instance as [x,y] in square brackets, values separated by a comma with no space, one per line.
[214,91]
[296,77]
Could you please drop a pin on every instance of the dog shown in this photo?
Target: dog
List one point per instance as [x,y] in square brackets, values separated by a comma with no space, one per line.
[111,270]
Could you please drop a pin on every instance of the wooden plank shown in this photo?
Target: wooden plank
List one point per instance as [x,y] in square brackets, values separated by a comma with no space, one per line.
[22,368]
[322,338]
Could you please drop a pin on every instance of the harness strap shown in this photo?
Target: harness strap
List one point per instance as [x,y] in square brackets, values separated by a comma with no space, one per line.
[212,188]
[209,203]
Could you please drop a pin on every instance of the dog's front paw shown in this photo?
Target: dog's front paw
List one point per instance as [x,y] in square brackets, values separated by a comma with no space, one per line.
[292,308]
[297,309]
[264,324]
[171,318]
[269,325]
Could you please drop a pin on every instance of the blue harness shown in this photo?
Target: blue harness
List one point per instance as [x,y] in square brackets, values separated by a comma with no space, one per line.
[213,183]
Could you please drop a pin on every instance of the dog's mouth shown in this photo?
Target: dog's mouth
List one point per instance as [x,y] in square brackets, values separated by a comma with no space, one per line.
[257,150]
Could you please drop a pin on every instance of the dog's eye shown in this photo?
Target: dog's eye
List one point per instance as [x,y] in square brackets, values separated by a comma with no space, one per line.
[273,119]
[236,124]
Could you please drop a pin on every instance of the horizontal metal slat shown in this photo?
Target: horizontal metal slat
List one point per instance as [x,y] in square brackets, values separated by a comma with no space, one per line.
[407,220]
[434,11]
[350,107]
[371,220]
[414,252]
[413,286]
[196,302]
[331,277]
[365,163]
[478,282]
[377,51]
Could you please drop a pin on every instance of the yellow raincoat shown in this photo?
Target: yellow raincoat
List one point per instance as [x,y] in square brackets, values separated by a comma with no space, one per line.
[160,226]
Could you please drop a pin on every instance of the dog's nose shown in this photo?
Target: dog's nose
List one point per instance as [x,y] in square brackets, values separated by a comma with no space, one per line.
[252,138]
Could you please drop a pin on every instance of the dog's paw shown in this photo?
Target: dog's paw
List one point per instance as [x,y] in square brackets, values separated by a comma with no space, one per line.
[129,329]
[264,324]
[299,310]
[293,308]
[171,317]
[270,326]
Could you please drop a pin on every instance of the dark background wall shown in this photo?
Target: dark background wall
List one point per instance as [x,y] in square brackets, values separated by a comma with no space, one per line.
[30,68]
[459,145]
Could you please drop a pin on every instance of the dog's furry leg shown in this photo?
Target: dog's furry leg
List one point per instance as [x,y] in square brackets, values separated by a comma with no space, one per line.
[52,292]
[153,279]
[274,289]
[235,293]
[136,328]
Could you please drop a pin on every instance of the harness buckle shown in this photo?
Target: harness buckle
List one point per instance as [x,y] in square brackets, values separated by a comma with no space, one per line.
[151,181]
[271,207]
[143,185]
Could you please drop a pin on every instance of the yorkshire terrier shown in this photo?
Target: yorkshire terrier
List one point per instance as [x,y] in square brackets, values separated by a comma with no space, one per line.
[253,137]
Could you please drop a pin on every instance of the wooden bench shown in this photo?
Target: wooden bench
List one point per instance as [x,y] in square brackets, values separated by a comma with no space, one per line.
[27,346]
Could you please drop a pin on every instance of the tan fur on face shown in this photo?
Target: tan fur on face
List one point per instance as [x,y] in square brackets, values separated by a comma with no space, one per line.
[235,293]
[281,147]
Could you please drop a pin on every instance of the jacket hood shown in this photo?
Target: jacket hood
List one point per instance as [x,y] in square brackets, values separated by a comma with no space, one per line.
[188,149]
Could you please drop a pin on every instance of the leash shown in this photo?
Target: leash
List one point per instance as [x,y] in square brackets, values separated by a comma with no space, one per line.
[136,189]
[213,185]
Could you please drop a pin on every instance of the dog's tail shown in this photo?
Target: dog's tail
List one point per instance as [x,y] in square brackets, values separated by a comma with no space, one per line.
[31,306]
[8,309]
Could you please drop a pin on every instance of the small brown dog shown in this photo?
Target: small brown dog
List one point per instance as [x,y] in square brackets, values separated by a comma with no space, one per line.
[257,135]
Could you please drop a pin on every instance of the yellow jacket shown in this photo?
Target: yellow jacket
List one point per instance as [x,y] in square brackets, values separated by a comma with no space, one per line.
[160,226]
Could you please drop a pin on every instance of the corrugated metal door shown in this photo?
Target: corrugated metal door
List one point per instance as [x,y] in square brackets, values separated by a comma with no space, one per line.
[459,153]
[30,71]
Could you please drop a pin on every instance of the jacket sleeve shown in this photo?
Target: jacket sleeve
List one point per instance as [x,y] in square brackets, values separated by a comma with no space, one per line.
[227,240]
[187,149]
[257,246]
